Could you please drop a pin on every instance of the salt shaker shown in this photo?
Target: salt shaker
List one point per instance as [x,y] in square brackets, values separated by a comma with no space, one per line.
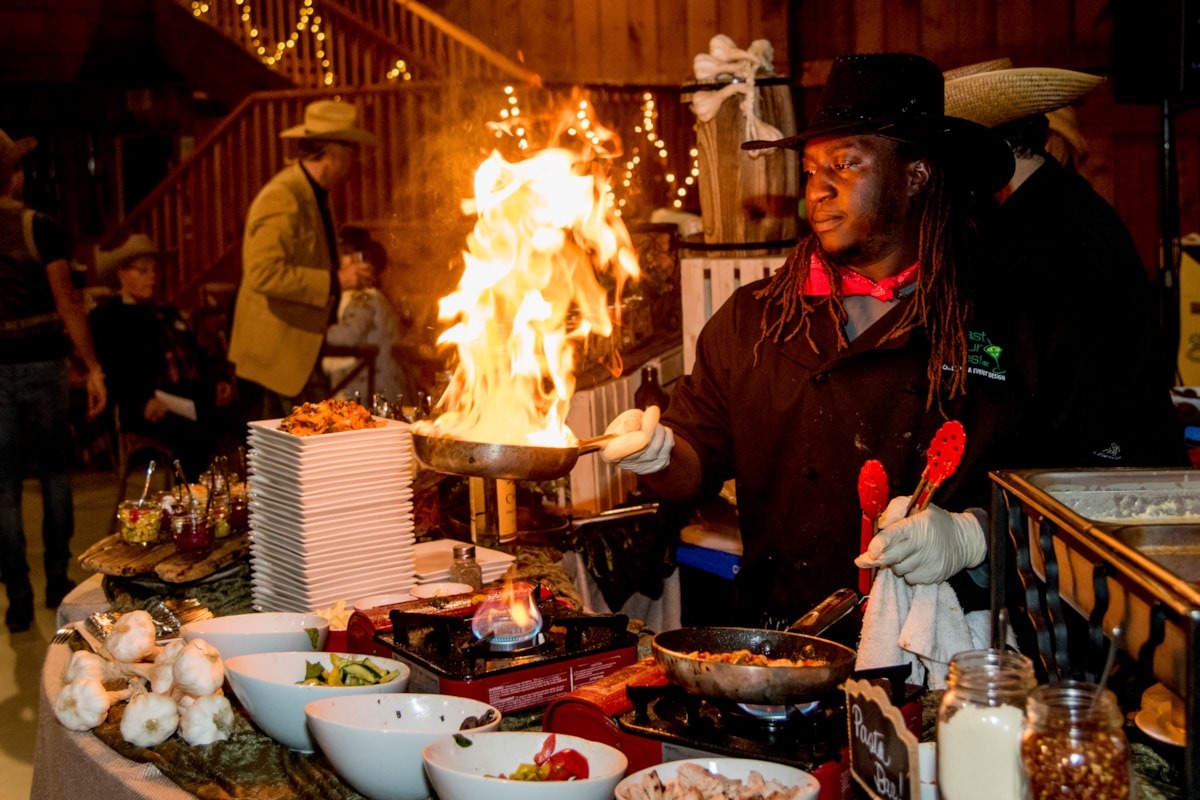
[979,726]
[1073,744]
[464,568]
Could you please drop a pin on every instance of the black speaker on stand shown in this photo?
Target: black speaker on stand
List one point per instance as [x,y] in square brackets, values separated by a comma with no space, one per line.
[1156,61]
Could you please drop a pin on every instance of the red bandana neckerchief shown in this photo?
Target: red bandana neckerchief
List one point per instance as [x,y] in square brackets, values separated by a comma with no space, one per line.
[817,282]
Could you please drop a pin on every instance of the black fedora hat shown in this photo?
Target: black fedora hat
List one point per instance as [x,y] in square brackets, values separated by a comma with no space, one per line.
[901,96]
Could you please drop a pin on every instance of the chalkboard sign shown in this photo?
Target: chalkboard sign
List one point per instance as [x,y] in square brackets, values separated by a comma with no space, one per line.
[883,751]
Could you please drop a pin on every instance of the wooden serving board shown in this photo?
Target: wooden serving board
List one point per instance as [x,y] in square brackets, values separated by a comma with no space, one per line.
[114,556]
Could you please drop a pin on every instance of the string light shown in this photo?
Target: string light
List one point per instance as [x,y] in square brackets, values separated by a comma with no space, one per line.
[309,22]
[510,123]
[399,71]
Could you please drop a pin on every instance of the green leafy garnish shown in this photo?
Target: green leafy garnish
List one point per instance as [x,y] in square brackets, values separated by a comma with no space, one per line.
[462,741]
[314,671]
[312,636]
[346,672]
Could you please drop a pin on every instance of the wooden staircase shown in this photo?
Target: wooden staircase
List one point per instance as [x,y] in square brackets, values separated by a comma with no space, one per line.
[348,50]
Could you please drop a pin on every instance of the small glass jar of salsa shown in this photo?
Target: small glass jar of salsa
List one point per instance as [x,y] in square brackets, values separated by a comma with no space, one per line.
[139,522]
[191,530]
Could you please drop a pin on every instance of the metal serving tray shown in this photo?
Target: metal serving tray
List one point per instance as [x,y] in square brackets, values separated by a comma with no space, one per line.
[1122,497]
[1122,547]
[1140,525]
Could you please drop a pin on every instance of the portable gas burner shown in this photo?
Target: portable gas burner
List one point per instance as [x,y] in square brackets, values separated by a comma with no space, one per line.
[514,656]
[653,721]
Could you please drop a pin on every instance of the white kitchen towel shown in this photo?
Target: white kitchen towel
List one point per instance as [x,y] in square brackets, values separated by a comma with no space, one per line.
[920,625]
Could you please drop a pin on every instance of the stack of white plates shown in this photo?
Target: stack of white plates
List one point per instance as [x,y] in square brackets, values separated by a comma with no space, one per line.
[331,515]
[432,561]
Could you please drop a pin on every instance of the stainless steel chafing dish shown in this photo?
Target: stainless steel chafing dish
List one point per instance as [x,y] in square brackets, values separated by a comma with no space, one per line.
[1122,547]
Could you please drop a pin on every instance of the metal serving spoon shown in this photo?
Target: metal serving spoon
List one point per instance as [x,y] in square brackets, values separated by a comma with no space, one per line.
[146,486]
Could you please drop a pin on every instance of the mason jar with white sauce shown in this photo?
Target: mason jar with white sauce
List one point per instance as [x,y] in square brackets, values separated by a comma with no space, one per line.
[979,726]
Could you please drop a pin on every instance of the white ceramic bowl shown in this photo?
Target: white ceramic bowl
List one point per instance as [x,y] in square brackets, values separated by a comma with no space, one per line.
[735,768]
[261,632]
[375,741]
[464,773]
[444,589]
[266,685]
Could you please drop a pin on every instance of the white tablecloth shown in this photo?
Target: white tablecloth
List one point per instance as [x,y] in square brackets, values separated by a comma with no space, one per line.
[69,765]
[86,598]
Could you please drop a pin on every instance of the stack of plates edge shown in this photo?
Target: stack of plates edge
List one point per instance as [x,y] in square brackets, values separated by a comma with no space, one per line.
[331,515]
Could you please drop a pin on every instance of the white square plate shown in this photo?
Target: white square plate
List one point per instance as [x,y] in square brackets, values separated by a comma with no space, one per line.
[310,583]
[316,493]
[353,508]
[435,557]
[268,431]
[371,470]
[333,541]
[355,558]
[320,598]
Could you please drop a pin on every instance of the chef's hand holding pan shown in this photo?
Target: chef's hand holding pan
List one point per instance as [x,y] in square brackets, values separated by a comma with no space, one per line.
[642,445]
[927,547]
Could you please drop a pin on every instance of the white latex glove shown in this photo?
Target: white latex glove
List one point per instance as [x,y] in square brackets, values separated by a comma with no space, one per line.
[643,445]
[927,547]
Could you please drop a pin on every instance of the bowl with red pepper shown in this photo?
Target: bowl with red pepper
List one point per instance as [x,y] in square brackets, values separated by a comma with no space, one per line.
[523,765]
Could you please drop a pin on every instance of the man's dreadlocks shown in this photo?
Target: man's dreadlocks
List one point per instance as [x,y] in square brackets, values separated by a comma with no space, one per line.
[938,304]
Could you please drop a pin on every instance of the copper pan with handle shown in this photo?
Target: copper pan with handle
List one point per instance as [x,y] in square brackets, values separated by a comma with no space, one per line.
[767,685]
[514,462]
[742,683]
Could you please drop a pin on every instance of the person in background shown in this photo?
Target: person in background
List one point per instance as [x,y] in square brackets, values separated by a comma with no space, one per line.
[291,274]
[366,317]
[151,357]
[861,346]
[41,318]
[1096,317]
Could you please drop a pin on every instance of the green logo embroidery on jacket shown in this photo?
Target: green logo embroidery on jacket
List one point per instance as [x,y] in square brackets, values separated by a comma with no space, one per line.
[983,357]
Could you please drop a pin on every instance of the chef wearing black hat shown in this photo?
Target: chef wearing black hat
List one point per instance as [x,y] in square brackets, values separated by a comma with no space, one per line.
[871,336]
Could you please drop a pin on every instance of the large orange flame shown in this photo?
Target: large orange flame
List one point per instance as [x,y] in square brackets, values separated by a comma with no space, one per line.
[529,294]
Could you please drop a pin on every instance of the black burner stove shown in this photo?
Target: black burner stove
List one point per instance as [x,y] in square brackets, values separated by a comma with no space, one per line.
[572,650]
[787,736]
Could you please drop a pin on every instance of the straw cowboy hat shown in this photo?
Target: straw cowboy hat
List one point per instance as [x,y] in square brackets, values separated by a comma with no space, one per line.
[331,120]
[109,262]
[993,92]
[12,152]
[900,96]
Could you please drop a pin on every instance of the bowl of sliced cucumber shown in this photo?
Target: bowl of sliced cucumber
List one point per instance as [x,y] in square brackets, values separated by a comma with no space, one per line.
[274,688]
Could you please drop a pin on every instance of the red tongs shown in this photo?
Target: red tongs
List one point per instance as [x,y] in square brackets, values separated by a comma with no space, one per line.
[873,498]
[945,454]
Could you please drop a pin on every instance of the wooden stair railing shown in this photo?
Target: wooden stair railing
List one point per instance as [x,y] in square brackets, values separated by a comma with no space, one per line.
[419,30]
[199,209]
[357,42]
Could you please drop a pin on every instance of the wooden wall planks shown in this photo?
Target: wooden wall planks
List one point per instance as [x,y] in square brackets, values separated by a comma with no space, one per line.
[653,42]
[617,41]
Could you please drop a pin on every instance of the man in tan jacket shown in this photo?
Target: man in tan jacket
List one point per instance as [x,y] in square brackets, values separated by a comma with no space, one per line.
[291,276]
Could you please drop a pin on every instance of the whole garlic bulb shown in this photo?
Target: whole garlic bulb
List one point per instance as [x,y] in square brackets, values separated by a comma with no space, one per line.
[150,719]
[132,637]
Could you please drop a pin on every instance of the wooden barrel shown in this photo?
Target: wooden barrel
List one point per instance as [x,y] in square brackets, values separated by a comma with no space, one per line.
[744,198]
